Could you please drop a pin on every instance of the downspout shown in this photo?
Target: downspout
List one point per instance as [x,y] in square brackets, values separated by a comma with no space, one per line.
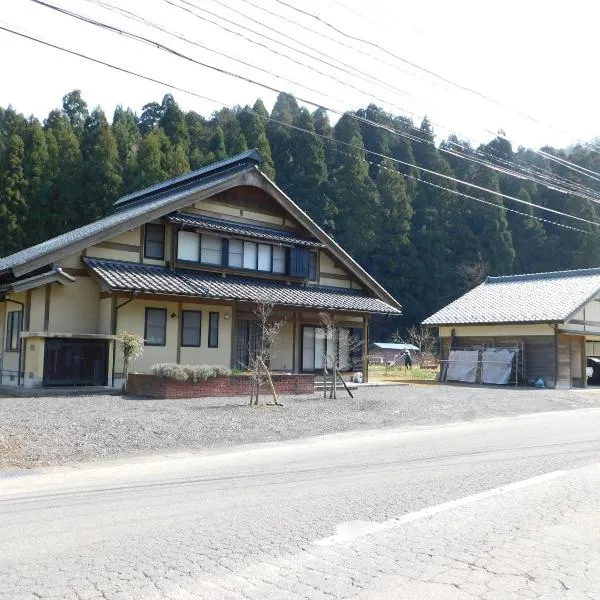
[114,357]
[22,305]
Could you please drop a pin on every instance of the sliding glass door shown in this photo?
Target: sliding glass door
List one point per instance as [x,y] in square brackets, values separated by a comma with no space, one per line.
[320,347]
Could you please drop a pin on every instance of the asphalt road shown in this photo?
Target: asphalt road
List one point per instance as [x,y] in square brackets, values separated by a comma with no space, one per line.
[499,508]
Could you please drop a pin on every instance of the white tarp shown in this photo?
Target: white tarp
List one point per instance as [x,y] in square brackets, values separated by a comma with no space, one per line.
[462,365]
[496,365]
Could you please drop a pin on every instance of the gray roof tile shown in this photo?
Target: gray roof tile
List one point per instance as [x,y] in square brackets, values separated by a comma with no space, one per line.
[138,204]
[242,229]
[160,280]
[533,298]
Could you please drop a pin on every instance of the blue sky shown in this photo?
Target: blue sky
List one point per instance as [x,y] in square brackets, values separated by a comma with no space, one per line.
[536,57]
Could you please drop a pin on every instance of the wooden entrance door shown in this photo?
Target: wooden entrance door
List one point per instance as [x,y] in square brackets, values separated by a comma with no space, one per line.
[71,362]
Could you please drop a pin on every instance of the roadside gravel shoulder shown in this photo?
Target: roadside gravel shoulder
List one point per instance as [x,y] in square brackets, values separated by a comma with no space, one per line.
[61,430]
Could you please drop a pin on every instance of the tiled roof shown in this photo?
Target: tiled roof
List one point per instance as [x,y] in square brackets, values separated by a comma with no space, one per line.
[126,276]
[250,156]
[535,298]
[137,205]
[242,229]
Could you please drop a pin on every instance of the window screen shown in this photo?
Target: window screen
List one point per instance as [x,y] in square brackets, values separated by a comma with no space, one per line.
[191,327]
[155,330]
[236,251]
[250,255]
[279,259]
[188,246]
[154,241]
[213,330]
[210,249]
[264,257]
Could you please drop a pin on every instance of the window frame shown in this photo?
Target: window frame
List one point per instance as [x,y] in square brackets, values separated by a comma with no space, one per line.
[163,240]
[164,312]
[11,316]
[183,344]
[219,251]
[212,343]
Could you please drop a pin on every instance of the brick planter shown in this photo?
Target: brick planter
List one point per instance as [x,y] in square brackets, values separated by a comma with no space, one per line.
[144,384]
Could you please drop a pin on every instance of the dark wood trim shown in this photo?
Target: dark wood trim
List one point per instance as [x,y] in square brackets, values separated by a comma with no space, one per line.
[141,251]
[583,322]
[180,331]
[113,313]
[75,272]
[336,276]
[237,271]
[47,293]
[27,315]
[118,246]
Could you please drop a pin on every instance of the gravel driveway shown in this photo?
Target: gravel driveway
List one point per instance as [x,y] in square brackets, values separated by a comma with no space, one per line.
[62,430]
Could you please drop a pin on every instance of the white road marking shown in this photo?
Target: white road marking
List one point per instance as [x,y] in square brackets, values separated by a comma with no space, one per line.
[351,530]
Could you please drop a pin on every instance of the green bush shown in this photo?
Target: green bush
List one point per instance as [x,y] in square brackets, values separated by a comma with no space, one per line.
[189,373]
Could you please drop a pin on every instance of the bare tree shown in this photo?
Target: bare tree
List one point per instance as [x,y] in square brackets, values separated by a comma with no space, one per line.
[331,352]
[260,356]
[472,274]
[421,337]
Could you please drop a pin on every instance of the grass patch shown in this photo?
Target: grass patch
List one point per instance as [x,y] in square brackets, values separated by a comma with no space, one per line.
[383,373]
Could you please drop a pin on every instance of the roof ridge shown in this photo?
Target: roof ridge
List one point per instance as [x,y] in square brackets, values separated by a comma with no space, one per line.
[543,275]
[253,155]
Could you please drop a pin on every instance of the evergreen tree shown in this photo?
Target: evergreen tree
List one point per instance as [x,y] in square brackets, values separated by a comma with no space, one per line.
[76,110]
[216,146]
[150,117]
[253,124]
[128,138]
[35,169]
[13,187]
[197,130]
[172,120]
[102,180]
[64,175]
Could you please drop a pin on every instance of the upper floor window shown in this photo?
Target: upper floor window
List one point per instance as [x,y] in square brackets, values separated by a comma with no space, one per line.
[210,249]
[237,254]
[14,324]
[154,241]
[155,327]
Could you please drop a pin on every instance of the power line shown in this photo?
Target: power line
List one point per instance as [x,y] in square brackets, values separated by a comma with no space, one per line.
[429,71]
[571,187]
[291,126]
[371,78]
[271,88]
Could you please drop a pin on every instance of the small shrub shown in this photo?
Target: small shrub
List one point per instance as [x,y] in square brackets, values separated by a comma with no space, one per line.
[190,373]
[222,371]
[169,371]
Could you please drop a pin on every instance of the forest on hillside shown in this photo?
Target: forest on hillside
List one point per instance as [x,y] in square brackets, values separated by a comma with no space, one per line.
[368,180]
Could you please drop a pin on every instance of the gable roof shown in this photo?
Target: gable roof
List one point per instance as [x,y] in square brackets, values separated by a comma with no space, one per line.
[171,196]
[242,229]
[534,298]
[133,210]
[150,279]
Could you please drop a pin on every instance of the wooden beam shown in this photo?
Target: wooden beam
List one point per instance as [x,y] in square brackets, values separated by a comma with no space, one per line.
[47,293]
[118,246]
